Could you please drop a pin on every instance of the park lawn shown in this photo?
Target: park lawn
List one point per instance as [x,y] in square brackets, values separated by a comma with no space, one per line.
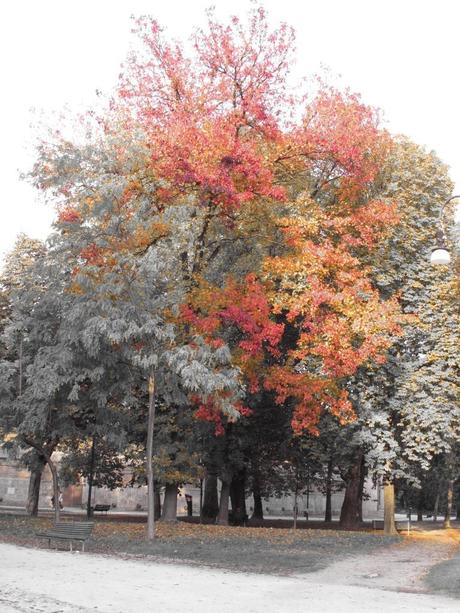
[263,550]
[444,578]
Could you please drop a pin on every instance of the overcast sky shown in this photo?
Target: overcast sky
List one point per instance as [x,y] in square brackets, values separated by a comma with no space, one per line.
[402,56]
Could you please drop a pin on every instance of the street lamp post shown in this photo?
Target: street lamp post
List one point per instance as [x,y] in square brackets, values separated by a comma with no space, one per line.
[440,254]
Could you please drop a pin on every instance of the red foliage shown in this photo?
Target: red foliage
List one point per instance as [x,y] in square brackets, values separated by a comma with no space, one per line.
[325,295]
[68,216]
[242,305]
[93,255]
[222,125]
[224,129]
[209,410]
[202,116]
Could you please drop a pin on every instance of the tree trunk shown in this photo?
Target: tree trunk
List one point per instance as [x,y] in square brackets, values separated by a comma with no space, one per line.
[436,506]
[222,517]
[389,526]
[90,477]
[458,510]
[211,500]
[57,508]
[295,510]
[450,495]
[149,462]
[169,512]
[328,513]
[20,368]
[47,455]
[258,512]
[35,479]
[201,501]
[238,497]
[420,505]
[361,488]
[349,513]
[157,502]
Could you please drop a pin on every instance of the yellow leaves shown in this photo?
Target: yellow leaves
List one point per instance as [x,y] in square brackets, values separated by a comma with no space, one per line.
[418,180]
[76,288]
[185,531]
[143,237]
[258,220]
[134,184]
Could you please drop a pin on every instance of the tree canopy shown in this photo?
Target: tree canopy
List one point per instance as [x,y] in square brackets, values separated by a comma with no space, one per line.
[233,249]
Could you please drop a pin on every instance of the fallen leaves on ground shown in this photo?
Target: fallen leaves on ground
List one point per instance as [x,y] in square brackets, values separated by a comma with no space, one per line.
[269,550]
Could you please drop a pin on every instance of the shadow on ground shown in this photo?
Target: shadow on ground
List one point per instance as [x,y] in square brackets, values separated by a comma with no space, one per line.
[262,550]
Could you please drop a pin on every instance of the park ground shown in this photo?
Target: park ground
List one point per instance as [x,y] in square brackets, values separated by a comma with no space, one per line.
[209,568]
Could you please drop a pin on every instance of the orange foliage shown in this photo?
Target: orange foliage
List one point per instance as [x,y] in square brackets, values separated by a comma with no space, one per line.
[222,133]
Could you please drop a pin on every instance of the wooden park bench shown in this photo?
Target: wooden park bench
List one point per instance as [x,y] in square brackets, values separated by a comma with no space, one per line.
[101,508]
[69,531]
[378,524]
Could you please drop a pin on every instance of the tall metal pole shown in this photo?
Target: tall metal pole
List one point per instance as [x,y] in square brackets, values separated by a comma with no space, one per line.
[441,215]
[91,476]
[201,500]
[149,467]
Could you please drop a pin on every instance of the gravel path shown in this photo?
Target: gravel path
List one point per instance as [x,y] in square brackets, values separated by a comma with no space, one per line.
[41,581]
[401,567]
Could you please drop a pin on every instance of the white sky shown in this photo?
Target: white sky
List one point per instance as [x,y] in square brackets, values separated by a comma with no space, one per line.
[402,56]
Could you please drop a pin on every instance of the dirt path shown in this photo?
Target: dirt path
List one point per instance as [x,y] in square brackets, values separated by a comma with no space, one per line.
[41,581]
[399,567]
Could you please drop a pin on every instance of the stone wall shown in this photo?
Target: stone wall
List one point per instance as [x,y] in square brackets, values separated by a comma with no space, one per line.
[135,499]
[14,482]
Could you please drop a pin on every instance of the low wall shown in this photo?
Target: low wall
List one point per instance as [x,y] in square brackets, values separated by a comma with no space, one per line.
[14,483]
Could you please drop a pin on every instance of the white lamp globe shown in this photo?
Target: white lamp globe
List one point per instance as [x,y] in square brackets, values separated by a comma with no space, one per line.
[439,256]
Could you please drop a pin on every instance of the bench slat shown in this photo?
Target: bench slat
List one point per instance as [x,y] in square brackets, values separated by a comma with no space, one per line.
[77,531]
[69,537]
[59,532]
[70,531]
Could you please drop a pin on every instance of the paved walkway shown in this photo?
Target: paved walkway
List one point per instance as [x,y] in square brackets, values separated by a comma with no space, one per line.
[41,581]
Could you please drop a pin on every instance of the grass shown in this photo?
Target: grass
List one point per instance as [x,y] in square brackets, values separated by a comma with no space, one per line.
[444,578]
[263,550]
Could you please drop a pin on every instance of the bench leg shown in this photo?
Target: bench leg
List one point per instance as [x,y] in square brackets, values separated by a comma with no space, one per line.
[83,546]
[71,550]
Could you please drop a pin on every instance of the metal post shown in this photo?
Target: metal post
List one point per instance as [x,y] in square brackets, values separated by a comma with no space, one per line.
[441,216]
[201,500]
[90,477]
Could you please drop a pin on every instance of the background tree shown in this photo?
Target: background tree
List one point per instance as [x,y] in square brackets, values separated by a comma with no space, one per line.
[105,470]
[400,403]
[20,277]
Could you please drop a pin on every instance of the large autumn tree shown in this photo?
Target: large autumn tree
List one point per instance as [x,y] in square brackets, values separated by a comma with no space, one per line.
[218,219]
[288,178]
